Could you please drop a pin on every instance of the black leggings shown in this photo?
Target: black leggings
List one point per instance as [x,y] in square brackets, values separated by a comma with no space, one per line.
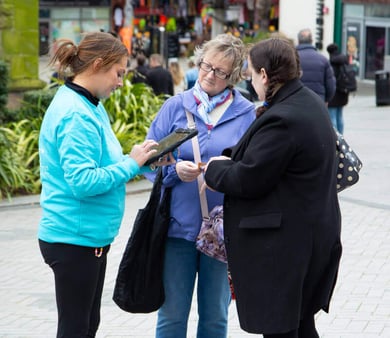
[79,277]
[307,329]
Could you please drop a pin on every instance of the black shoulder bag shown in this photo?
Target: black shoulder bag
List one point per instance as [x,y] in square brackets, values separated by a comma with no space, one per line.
[139,284]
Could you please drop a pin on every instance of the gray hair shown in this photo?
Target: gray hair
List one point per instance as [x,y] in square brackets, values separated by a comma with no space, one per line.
[305,36]
[157,59]
[231,47]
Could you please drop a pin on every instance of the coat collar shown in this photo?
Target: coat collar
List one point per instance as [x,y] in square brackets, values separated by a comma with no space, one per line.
[303,46]
[289,88]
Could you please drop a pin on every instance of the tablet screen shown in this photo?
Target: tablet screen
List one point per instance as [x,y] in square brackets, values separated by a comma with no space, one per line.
[171,142]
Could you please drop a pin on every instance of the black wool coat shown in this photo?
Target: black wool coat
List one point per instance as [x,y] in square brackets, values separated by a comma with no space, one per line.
[282,220]
[339,99]
[160,79]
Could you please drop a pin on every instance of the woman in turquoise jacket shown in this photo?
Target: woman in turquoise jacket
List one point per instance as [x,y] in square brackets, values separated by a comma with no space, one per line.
[83,174]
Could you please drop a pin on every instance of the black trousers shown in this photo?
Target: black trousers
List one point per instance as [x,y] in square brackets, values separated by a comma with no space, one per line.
[307,329]
[79,277]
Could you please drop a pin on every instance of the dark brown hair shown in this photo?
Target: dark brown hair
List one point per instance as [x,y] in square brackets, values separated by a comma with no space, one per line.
[280,60]
[75,59]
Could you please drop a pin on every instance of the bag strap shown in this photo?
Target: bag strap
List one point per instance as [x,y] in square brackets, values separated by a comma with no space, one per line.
[196,149]
[155,194]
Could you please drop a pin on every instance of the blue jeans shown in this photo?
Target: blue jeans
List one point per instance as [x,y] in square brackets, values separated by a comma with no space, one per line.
[336,116]
[182,263]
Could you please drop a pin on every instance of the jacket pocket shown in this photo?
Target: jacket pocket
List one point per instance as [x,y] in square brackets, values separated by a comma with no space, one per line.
[270,220]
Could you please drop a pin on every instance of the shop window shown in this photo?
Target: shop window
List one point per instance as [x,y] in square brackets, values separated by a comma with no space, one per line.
[71,22]
[379,11]
[65,13]
[355,11]
[375,47]
[95,25]
[95,13]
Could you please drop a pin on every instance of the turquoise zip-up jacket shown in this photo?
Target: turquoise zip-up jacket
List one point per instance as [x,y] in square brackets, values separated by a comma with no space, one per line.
[83,173]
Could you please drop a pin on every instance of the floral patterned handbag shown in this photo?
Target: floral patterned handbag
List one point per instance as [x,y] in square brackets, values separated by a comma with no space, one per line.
[210,239]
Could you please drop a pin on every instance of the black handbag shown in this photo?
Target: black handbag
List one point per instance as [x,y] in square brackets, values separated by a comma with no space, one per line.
[139,283]
[348,164]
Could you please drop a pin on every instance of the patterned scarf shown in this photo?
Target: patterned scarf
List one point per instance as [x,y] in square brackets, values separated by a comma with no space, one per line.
[207,104]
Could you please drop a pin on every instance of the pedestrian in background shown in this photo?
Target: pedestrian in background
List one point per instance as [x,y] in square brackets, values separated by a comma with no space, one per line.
[281,217]
[191,73]
[83,174]
[141,70]
[248,83]
[179,82]
[221,116]
[317,73]
[159,78]
[118,16]
[340,99]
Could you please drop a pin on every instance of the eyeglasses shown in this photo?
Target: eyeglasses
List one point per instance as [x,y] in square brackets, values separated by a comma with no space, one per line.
[220,74]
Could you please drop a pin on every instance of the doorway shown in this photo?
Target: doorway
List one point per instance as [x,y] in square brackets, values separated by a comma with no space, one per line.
[375,50]
[43,38]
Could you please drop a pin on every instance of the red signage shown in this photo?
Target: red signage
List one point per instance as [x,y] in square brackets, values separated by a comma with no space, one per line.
[147,11]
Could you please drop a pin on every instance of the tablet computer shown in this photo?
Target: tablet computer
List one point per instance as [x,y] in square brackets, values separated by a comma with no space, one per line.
[171,142]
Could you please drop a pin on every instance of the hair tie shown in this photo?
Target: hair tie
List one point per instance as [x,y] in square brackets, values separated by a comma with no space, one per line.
[265,104]
[76,51]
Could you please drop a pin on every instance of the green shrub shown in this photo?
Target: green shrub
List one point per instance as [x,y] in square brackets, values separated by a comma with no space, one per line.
[35,103]
[19,163]
[260,35]
[131,110]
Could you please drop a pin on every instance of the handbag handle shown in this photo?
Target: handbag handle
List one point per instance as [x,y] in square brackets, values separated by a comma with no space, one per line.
[196,149]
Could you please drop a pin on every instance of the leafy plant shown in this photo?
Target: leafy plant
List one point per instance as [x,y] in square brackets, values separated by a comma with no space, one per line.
[19,163]
[35,103]
[131,110]
[260,35]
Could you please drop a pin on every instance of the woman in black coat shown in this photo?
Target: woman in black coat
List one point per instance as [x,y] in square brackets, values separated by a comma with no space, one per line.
[281,212]
[340,98]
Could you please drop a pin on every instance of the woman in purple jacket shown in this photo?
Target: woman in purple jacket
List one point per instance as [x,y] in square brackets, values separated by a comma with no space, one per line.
[221,116]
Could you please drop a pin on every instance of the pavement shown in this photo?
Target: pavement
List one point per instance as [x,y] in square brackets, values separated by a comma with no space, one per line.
[361,301]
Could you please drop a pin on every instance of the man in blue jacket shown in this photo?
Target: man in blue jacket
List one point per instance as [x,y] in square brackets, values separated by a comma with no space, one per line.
[317,73]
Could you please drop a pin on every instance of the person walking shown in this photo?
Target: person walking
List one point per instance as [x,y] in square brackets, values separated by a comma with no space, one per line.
[141,70]
[118,16]
[317,73]
[192,73]
[159,78]
[282,219]
[83,175]
[221,115]
[179,81]
[340,99]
